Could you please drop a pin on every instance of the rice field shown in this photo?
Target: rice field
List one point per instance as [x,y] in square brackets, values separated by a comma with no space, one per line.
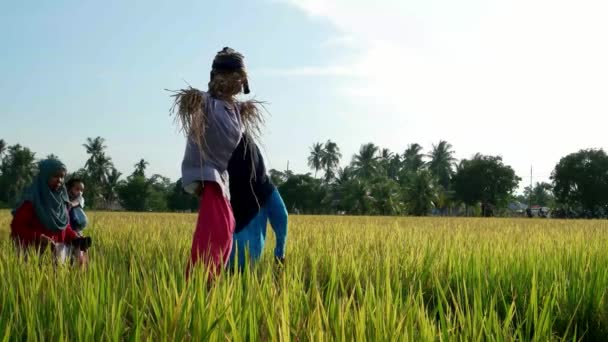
[346,278]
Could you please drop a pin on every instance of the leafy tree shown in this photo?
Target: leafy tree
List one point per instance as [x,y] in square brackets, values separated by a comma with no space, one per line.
[303,193]
[134,193]
[179,200]
[541,194]
[160,187]
[16,172]
[485,180]
[277,177]
[580,181]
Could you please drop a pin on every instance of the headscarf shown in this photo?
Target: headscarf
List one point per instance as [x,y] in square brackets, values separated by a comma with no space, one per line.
[50,206]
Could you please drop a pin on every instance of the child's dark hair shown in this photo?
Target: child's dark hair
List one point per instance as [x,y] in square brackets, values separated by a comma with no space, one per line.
[73,181]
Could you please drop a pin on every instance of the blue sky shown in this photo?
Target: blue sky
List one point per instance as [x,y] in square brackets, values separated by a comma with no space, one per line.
[522,79]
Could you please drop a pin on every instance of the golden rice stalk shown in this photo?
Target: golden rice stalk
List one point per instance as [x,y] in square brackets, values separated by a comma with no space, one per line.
[191,118]
[189,114]
[252,117]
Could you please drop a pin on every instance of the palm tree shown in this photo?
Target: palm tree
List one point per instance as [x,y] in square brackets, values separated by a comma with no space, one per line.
[336,190]
[420,192]
[111,187]
[344,175]
[386,196]
[140,168]
[390,163]
[356,197]
[94,147]
[2,148]
[366,162]
[394,167]
[103,164]
[97,168]
[330,159]
[412,158]
[384,158]
[315,160]
[385,154]
[98,164]
[442,163]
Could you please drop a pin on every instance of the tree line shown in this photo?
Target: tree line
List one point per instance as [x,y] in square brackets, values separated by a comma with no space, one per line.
[377,181]
[105,186]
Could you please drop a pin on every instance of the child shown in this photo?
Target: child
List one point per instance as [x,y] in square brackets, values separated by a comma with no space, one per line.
[213,122]
[78,219]
[255,201]
[78,222]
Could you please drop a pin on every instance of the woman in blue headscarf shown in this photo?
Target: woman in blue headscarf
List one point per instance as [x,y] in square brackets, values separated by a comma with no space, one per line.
[41,218]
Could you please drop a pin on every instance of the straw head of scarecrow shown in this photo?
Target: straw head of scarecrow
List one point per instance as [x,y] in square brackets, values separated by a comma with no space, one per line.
[228,74]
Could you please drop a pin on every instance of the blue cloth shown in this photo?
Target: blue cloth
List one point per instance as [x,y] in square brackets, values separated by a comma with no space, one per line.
[78,219]
[251,239]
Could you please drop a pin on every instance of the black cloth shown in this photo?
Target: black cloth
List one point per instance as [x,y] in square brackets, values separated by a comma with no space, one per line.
[250,186]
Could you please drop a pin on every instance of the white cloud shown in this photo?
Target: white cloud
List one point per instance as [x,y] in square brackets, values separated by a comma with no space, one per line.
[523,78]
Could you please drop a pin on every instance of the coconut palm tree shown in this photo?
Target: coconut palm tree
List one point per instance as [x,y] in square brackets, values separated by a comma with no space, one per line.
[140,168]
[2,148]
[330,159]
[442,163]
[111,187]
[365,163]
[420,192]
[315,160]
[412,158]
[97,168]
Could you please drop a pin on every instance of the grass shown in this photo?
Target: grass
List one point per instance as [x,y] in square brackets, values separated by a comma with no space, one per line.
[413,279]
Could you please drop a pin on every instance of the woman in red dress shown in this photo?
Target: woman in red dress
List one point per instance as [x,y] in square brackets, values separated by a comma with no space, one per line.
[41,219]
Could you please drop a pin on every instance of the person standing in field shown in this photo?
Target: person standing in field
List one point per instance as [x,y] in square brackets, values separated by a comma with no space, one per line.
[255,201]
[41,218]
[213,123]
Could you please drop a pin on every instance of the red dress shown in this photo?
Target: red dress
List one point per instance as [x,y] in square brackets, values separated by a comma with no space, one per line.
[212,240]
[26,228]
